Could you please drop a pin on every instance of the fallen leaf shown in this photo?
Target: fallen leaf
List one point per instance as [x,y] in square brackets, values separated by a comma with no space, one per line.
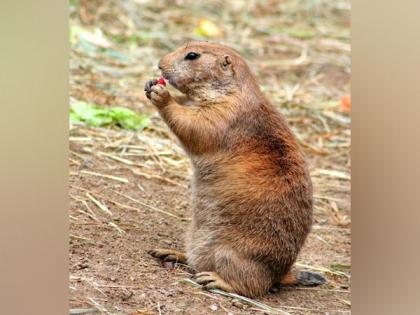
[207,28]
[345,104]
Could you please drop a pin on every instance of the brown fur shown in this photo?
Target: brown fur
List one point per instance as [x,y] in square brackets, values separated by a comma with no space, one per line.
[252,195]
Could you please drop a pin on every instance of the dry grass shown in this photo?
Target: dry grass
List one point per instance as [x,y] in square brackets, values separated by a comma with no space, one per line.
[299,51]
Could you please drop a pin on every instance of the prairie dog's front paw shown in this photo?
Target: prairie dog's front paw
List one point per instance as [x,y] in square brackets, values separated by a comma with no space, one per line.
[158,94]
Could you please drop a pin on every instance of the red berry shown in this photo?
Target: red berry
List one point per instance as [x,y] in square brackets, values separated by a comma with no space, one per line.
[162,81]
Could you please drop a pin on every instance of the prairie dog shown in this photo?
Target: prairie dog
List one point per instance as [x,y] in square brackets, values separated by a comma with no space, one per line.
[252,194]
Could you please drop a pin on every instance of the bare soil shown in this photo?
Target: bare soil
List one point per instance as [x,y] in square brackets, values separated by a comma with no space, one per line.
[115,271]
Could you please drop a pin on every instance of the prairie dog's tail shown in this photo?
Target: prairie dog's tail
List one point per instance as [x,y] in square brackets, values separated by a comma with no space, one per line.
[305,278]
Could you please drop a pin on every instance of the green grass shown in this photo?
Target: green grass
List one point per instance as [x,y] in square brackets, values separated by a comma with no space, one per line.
[98,116]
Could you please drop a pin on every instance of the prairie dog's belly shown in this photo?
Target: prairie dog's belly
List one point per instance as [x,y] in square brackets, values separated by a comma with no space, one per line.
[200,247]
[221,191]
[254,204]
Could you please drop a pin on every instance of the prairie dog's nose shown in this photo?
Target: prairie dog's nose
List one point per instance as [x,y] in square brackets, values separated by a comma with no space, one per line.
[165,62]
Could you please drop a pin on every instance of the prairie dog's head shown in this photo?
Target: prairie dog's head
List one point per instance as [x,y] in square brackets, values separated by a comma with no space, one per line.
[203,70]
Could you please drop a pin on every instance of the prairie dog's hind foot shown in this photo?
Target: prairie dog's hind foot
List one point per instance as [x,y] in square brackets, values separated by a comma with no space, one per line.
[211,280]
[169,255]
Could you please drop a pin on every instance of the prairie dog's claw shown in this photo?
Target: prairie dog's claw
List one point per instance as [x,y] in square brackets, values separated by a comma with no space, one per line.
[149,85]
[169,255]
[159,95]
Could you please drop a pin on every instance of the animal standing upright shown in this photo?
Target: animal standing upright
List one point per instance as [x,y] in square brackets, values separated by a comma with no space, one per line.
[252,194]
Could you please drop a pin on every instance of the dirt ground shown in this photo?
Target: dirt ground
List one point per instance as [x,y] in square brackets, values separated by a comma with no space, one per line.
[129,191]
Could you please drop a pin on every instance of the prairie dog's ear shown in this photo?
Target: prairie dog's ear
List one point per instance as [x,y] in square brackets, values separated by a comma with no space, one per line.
[226,61]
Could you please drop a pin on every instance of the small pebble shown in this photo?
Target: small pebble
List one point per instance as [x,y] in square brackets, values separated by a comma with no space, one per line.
[238,304]
[168,264]
[214,307]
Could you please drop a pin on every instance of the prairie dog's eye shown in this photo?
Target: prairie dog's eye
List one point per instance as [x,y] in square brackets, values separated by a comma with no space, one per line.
[191,56]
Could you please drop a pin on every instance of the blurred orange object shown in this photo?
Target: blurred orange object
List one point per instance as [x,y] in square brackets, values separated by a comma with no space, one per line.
[345,104]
